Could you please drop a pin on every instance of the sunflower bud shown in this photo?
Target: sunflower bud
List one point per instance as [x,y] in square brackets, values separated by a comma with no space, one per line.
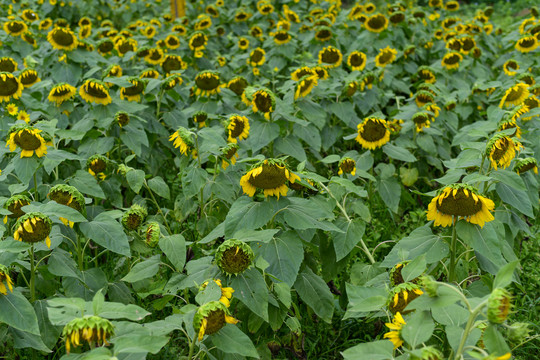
[428,353]
[499,306]
[402,295]
[33,227]
[429,284]
[134,217]
[210,318]
[122,118]
[234,257]
[152,234]
[274,347]
[92,329]
[517,332]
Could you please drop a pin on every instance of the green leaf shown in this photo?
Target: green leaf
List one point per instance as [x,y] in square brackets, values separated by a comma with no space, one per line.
[87,184]
[160,187]
[315,293]
[390,191]
[420,241]
[285,255]
[248,215]
[25,167]
[517,198]
[114,310]
[509,178]
[414,269]
[452,314]
[365,299]
[250,288]
[290,145]
[346,241]
[62,264]
[418,329]
[398,153]
[98,301]
[18,313]
[375,350]
[261,134]
[494,341]
[135,179]
[174,247]
[143,270]
[232,340]
[22,339]
[53,209]
[505,274]
[108,233]
[134,344]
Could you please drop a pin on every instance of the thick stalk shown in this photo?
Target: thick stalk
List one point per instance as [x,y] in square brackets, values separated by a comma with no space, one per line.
[158,207]
[453,250]
[468,327]
[32,275]
[191,348]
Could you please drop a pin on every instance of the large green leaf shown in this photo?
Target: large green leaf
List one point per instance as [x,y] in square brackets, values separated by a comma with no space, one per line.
[143,270]
[18,313]
[346,241]
[174,247]
[420,241]
[285,255]
[418,328]
[108,233]
[250,288]
[390,191]
[375,350]
[247,214]
[515,197]
[315,293]
[232,340]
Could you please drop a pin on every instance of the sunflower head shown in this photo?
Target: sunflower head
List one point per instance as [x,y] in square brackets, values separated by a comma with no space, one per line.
[347,165]
[28,139]
[501,149]
[210,318]
[509,122]
[61,92]
[526,78]
[323,33]
[270,175]
[207,83]
[152,234]
[134,217]
[197,41]
[330,57]
[122,118]
[10,87]
[257,57]
[499,306]
[321,72]
[7,64]
[62,38]
[29,77]
[305,85]
[105,46]
[427,74]
[515,95]
[171,81]
[200,118]
[133,92]
[526,164]
[33,227]
[460,201]
[396,277]
[15,27]
[376,23]
[182,139]
[173,63]
[5,281]
[394,335]
[401,295]
[357,61]
[230,154]
[92,329]
[386,56]
[373,132]
[263,100]
[238,128]
[527,44]
[422,120]
[97,165]
[234,257]
[69,196]
[451,60]
[93,90]
[15,203]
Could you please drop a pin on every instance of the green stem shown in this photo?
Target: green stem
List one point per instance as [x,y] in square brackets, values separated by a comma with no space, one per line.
[468,327]
[36,195]
[191,347]
[158,106]
[165,222]
[32,275]
[453,250]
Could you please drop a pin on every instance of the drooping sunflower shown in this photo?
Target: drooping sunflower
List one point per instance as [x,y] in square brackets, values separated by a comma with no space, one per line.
[133,92]
[501,149]
[226,292]
[15,27]
[234,256]
[263,100]
[271,176]
[197,41]
[28,140]
[373,132]
[394,335]
[397,17]
[182,139]
[451,5]
[527,78]
[282,37]
[467,44]
[330,57]
[386,56]
[357,61]
[401,295]
[207,83]
[237,85]
[172,63]
[299,73]
[90,328]
[32,228]
[203,22]
[427,74]
[125,45]
[200,118]
[29,77]
[154,56]
[526,164]
[347,165]
[69,196]
[421,120]
[323,33]
[171,81]
[305,85]
[61,92]
[5,281]
[238,128]
[62,39]
[149,74]
[509,122]
[376,23]
[230,154]
[527,44]
[210,318]
[423,97]
[96,91]
[10,87]
[14,205]
[511,67]
[532,102]
[451,60]
[257,57]
[122,118]
[134,217]
[460,201]
[7,64]
[321,72]
[515,95]
[45,24]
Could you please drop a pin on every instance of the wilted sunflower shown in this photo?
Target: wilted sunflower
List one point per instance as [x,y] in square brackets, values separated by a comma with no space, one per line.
[299,73]
[526,164]
[511,67]
[5,281]
[305,85]
[62,39]
[149,74]
[394,335]
[32,228]
[423,97]
[347,165]
[321,72]
[45,24]
[152,234]
[238,128]
[234,257]
[197,41]
[373,133]
[330,57]
[14,205]
[527,44]
[376,23]
[515,95]
[357,61]
[263,100]
[237,85]
[105,46]
[28,140]
[499,306]
[501,149]
[257,57]
[210,318]
[230,154]
[426,74]
[171,81]
[182,139]
[96,91]
[207,83]
[125,45]
[451,60]
[29,77]
[113,70]
[7,64]
[509,122]
[323,33]
[172,63]
[134,92]
[265,8]
[460,201]
[97,165]
[386,56]
[530,103]
[134,217]
[154,56]
[15,27]
[61,92]
[402,295]
[92,329]
[397,17]
[69,196]
[467,44]
[10,87]
[421,120]
[269,175]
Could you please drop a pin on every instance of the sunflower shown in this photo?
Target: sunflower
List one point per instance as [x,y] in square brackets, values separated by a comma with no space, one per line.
[45,24]
[238,128]
[68,196]
[427,74]
[182,139]
[10,87]
[527,44]
[526,164]
[61,92]
[243,43]
[203,22]
[230,154]
[93,90]
[32,228]
[7,64]
[402,295]
[12,109]
[122,118]
[394,335]
[373,133]
[515,95]
[125,45]
[134,92]
[323,33]
[197,41]
[265,8]
[501,149]
[97,166]
[149,74]
[451,60]
[222,61]
[210,318]
[134,217]
[15,27]
[357,61]
[321,72]
[510,67]
[299,73]
[90,328]
[386,56]
[257,57]
[237,85]
[270,175]
[367,80]
[5,281]
[200,118]
[256,31]
[282,37]
[23,115]
[527,78]
[263,100]
[305,85]
[234,256]
[62,39]
[451,5]
[347,165]
[376,23]
[531,103]
[207,83]
[105,46]
[172,63]
[171,81]
[226,292]
[467,44]
[154,56]
[14,205]
[510,122]
[460,201]
[421,120]
[179,29]
[330,57]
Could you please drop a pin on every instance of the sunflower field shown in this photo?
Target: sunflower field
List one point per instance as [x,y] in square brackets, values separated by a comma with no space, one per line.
[269,179]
